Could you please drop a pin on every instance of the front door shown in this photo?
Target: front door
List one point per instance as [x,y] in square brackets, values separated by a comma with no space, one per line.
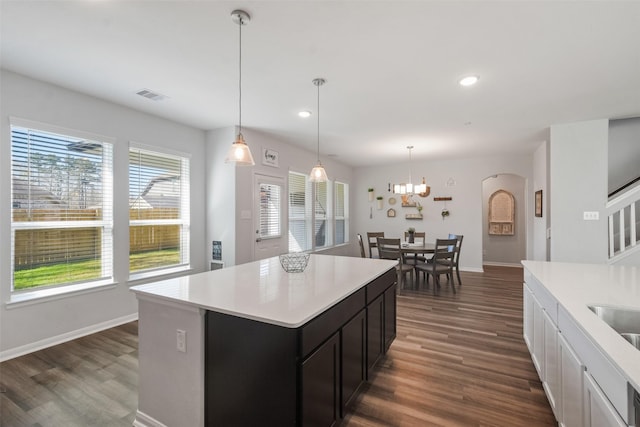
[269,209]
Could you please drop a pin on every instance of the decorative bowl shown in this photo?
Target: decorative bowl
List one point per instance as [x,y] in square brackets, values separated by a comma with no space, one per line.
[294,262]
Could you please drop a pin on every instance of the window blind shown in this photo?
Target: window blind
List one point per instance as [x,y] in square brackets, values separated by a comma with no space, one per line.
[270,203]
[62,214]
[158,210]
[299,215]
[320,215]
[341,212]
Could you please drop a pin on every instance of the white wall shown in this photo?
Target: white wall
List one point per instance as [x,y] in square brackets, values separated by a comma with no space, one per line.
[540,182]
[624,152]
[465,208]
[220,190]
[243,228]
[505,250]
[578,183]
[26,327]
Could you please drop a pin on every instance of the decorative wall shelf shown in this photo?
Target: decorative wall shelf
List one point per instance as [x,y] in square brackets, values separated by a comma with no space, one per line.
[413,216]
[502,213]
[442,199]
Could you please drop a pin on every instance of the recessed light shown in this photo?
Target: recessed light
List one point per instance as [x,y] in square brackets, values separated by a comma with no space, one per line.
[304,114]
[469,80]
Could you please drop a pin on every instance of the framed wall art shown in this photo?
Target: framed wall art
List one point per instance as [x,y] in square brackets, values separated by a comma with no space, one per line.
[538,203]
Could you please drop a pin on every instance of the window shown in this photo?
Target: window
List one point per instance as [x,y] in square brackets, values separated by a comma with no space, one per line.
[322,215]
[299,213]
[342,212]
[158,210]
[318,213]
[61,214]
[269,211]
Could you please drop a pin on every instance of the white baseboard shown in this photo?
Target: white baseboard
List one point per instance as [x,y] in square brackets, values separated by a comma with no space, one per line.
[502,264]
[472,269]
[68,336]
[144,420]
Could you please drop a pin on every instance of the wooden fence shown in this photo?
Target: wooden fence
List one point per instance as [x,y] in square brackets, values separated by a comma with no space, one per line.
[34,248]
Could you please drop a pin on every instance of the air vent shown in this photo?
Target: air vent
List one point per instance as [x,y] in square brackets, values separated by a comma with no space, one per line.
[154,96]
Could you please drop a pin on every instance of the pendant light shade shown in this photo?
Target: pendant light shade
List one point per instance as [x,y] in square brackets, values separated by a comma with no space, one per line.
[318,174]
[239,153]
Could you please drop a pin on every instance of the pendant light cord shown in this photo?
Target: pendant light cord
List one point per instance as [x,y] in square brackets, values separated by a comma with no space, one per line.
[410,175]
[240,24]
[318,112]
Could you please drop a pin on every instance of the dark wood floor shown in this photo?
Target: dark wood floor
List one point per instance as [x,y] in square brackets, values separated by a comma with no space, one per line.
[458,360]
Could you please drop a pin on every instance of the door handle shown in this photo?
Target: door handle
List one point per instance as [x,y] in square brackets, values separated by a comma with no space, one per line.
[258,240]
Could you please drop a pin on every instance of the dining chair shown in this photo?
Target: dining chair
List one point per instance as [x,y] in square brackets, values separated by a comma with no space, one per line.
[390,249]
[441,263]
[361,244]
[372,240]
[418,237]
[456,257]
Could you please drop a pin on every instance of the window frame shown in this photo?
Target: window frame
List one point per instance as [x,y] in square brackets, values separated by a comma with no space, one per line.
[311,216]
[345,216]
[184,220]
[105,224]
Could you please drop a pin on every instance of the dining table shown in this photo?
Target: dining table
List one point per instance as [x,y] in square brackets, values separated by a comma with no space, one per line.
[417,248]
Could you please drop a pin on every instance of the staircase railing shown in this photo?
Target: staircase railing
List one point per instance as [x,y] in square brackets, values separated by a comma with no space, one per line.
[623,222]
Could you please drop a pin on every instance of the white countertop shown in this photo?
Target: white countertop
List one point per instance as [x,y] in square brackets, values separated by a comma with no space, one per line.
[576,286]
[263,291]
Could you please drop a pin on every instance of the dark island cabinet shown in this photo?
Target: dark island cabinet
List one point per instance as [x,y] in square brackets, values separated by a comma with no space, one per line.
[321,385]
[258,373]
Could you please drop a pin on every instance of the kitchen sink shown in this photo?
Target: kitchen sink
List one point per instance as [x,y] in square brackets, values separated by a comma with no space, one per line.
[624,321]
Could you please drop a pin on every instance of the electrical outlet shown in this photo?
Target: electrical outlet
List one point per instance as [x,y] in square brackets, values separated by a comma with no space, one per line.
[591,216]
[181,340]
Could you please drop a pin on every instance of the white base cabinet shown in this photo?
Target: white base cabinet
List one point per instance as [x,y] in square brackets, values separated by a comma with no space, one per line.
[552,372]
[563,359]
[598,411]
[571,373]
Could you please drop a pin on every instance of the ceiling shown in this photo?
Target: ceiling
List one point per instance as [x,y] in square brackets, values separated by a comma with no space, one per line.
[392,67]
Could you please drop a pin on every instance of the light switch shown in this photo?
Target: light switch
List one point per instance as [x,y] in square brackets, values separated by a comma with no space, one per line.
[591,216]
[181,340]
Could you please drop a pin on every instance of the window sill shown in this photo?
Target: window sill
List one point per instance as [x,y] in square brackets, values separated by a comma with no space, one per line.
[39,296]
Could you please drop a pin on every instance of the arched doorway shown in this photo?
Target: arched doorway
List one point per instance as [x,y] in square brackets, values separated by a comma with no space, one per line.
[504,244]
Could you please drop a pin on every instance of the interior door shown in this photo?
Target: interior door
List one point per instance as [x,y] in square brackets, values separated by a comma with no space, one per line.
[269,212]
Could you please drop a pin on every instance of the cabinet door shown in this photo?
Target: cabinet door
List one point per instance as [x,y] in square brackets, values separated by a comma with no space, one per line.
[354,357]
[537,355]
[527,307]
[389,316]
[375,331]
[598,411]
[571,373]
[321,385]
[551,365]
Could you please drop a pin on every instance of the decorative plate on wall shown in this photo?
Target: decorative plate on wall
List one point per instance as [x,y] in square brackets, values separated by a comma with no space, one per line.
[392,200]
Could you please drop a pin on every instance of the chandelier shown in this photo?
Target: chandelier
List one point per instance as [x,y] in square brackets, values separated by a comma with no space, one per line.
[409,188]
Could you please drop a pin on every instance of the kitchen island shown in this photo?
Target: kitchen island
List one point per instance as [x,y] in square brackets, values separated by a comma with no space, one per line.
[254,345]
[588,370]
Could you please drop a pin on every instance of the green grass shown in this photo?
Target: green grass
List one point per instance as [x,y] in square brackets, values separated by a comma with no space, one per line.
[88,270]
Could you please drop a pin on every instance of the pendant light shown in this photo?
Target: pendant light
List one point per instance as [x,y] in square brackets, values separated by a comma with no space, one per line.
[409,188]
[239,153]
[318,174]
